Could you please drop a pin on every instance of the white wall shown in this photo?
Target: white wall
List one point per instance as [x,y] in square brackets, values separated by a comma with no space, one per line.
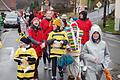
[117,15]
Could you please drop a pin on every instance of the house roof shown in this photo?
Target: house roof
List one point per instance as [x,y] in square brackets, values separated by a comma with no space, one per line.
[7,5]
[3,7]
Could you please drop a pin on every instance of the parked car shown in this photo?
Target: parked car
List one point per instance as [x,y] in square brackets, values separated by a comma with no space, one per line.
[11,20]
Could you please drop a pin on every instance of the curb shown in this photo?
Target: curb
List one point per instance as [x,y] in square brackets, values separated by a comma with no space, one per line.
[111,33]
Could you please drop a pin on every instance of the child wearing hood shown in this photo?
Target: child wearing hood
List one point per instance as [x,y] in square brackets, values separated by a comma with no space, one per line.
[95,52]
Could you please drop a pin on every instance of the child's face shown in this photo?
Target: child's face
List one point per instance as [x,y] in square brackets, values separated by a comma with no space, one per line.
[23,45]
[81,16]
[54,27]
[36,22]
[95,35]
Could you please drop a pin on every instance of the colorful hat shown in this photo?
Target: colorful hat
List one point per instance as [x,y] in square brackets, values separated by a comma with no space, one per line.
[57,22]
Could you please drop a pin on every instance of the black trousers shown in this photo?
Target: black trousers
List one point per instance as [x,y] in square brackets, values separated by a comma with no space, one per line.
[54,66]
[36,68]
[46,56]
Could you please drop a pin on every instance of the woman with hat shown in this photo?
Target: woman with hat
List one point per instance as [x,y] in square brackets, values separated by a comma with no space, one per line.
[84,24]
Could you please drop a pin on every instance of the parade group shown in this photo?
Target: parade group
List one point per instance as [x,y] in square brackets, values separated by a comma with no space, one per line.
[73,45]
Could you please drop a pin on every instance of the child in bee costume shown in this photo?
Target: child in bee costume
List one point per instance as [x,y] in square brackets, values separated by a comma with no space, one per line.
[57,40]
[26,58]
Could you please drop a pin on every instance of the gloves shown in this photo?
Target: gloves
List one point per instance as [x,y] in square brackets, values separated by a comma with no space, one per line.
[84,68]
[24,63]
[97,61]
[57,44]
[51,41]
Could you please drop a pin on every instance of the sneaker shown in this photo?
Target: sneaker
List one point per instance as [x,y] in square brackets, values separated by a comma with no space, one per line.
[61,74]
[36,79]
[49,68]
[45,67]
[54,77]
[85,68]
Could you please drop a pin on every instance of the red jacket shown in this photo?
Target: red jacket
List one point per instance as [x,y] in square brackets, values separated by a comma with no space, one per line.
[38,36]
[46,27]
[40,15]
[84,25]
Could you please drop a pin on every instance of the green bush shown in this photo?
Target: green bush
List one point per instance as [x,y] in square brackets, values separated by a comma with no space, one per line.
[110,24]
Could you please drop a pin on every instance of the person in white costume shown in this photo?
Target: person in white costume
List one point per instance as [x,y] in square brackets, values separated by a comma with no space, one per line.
[96,53]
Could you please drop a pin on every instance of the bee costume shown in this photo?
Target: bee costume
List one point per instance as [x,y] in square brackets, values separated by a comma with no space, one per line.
[26,59]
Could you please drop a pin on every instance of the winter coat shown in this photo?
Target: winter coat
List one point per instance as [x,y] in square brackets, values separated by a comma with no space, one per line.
[32,57]
[85,26]
[37,35]
[46,27]
[95,53]
[57,50]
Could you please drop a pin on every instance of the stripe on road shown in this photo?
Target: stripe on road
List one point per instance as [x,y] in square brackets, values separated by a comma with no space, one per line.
[5,35]
[12,52]
[112,39]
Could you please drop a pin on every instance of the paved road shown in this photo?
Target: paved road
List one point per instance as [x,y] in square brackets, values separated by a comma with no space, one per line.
[97,15]
[8,67]
[113,42]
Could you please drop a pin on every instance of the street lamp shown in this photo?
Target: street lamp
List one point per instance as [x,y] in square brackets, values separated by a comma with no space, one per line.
[75,6]
[104,17]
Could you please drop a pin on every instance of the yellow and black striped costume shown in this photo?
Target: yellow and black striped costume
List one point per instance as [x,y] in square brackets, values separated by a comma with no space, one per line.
[19,55]
[57,36]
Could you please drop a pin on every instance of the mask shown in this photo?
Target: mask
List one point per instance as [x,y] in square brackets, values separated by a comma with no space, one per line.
[27,46]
